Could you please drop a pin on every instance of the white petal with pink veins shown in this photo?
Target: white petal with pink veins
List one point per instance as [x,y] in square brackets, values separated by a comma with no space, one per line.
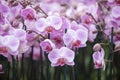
[53,56]
[55,22]
[20,34]
[98,59]
[5,40]
[10,42]
[41,24]
[116,11]
[82,35]
[70,63]
[13,43]
[67,54]
[69,37]
[96,56]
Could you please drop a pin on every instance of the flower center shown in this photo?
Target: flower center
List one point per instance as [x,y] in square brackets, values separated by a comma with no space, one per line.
[48,48]
[117,1]
[77,43]
[3,50]
[58,39]
[98,64]
[49,29]
[30,17]
[61,61]
[88,20]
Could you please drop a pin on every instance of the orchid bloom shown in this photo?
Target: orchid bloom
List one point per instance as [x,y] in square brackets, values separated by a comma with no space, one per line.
[9,44]
[49,24]
[47,45]
[62,56]
[21,35]
[28,13]
[76,38]
[56,38]
[98,58]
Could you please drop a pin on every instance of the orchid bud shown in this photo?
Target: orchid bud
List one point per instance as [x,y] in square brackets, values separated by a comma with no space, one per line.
[97,47]
[98,59]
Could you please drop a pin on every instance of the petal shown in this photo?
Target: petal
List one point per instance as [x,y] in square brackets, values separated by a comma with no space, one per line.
[66,23]
[102,53]
[82,35]
[0,41]
[5,40]
[51,43]
[70,63]
[92,35]
[83,45]
[104,66]
[54,64]
[47,45]
[68,37]
[14,53]
[20,34]
[74,25]
[53,56]
[28,13]
[4,8]
[40,25]
[23,47]
[116,11]
[66,53]
[96,56]
[55,22]
[13,43]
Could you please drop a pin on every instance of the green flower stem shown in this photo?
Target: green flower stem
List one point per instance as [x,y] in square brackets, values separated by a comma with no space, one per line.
[111,54]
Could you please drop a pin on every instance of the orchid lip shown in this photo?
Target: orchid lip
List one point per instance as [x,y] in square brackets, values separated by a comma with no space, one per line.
[61,61]
[49,29]
[3,49]
[77,43]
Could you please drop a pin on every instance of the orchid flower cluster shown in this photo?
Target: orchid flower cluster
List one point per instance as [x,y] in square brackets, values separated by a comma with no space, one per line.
[59,27]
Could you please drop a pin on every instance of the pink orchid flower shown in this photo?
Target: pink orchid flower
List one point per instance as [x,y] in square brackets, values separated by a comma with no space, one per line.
[28,13]
[62,56]
[76,38]
[98,58]
[49,24]
[47,45]
[9,44]
[56,38]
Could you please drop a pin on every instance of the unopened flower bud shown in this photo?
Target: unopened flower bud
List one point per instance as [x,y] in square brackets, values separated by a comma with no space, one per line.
[97,47]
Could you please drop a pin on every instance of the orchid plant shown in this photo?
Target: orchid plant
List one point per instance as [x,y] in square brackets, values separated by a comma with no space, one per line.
[55,30]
